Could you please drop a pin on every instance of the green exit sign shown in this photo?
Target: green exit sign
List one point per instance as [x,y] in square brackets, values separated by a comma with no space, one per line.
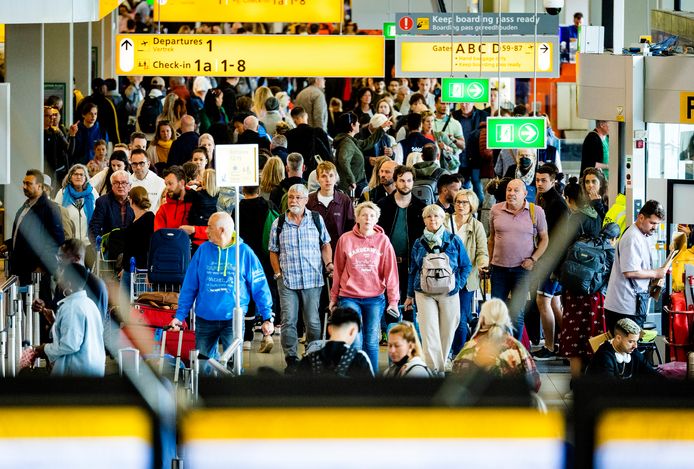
[516,132]
[389,30]
[465,90]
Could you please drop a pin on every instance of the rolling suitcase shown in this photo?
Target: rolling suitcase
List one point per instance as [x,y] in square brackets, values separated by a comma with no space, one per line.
[169,256]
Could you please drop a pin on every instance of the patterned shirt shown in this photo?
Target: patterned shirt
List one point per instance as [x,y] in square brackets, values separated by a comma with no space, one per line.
[299,251]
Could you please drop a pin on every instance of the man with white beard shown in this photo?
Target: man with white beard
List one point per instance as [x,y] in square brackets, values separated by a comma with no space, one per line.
[299,247]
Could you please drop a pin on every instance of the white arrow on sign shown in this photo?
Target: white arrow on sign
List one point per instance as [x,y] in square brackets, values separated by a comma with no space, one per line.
[475,90]
[127,54]
[528,133]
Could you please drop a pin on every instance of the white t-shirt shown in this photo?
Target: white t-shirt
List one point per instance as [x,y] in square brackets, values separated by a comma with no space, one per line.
[633,254]
[325,200]
[155,188]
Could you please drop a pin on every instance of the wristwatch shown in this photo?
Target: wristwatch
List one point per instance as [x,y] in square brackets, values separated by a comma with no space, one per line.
[277,275]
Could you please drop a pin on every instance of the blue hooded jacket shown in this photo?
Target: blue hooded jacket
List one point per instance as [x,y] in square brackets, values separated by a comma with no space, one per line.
[460,263]
[209,282]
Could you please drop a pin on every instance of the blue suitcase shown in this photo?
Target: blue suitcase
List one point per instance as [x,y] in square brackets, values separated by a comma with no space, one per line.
[169,256]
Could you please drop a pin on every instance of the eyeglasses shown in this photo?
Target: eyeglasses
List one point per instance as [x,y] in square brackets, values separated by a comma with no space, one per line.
[78,175]
[462,202]
[138,163]
[121,183]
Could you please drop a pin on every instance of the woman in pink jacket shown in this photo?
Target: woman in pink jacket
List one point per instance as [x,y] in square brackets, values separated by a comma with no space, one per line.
[365,273]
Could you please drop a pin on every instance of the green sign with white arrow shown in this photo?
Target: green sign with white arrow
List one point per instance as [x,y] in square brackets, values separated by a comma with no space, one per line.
[389,30]
[516,132]
[465,90]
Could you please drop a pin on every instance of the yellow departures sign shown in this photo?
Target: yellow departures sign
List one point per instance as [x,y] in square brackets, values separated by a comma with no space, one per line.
[251,11]
[248,55]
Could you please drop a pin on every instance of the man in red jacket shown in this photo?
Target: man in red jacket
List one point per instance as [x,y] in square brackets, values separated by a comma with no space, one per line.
[174,212]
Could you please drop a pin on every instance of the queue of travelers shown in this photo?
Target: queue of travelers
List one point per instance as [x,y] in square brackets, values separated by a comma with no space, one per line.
[399,268]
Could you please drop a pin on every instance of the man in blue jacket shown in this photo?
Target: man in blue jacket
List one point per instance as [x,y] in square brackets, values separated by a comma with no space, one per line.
[209,283]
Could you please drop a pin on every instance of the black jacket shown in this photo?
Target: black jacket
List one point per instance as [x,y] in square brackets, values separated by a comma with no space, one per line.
[604,363]
[37,240]
[330,357]
[285,184]
[591,151]
[107,216]
[415,222]
[251,136]
[556,210]
[182,148]
[309,141]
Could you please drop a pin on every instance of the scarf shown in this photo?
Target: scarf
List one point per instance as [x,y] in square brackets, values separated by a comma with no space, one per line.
[73,197]
[166,145]
[529,177]
[434,239]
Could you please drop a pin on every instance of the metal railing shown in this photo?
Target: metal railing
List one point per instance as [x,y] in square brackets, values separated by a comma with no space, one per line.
[19,325]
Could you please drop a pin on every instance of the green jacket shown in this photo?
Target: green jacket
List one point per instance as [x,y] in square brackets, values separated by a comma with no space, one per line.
[350,157]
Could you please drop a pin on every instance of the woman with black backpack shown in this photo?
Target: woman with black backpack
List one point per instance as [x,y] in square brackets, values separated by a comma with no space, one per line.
[583,316]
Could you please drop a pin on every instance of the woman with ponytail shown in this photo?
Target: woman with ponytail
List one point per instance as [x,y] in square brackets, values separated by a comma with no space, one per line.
[405,353]
[493,349]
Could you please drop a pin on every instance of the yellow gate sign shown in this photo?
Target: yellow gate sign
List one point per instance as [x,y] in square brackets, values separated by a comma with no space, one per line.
[514,56]
[249,55]
[255,11]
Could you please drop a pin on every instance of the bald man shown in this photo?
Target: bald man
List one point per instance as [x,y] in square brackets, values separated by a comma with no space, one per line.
[250,133]
[517,238]
[209,283]
[182,148]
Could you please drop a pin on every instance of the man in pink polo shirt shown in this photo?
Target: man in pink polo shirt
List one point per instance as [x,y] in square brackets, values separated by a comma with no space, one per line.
[517,239]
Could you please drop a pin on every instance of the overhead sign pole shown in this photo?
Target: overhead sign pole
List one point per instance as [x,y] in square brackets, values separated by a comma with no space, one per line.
[237,166]
[249,55]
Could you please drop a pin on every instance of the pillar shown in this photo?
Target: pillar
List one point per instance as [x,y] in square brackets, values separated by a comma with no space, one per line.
[58,68]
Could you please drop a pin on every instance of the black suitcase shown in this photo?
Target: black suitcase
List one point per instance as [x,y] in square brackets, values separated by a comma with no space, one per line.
[169,256]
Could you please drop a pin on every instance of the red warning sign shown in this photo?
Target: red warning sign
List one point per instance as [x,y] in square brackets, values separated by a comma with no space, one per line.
[406,23]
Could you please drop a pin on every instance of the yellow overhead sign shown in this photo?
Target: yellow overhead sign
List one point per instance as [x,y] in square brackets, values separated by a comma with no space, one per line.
[107,6]
[250,11]
[687,107]
[247,55]
[421,56]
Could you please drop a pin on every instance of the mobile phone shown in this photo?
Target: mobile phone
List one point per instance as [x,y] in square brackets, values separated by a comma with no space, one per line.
[393,313]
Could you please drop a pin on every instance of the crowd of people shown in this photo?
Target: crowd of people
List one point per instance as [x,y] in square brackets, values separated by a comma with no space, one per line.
[393,215]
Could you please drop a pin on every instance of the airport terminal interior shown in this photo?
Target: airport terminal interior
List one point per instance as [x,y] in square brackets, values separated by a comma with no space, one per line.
[347,233]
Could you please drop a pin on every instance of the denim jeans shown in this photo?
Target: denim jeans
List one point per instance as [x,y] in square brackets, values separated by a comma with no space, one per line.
[209,333]
[477,184]
[371,311]
[289,302]
[514,280]
[461,333]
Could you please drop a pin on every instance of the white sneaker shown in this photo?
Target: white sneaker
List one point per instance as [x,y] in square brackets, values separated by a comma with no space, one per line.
[448,366]
[247,345]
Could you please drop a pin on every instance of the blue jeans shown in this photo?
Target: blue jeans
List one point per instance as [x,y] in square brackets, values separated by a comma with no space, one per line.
[209,333]
[477,184]
[289,301]
[460,336]
[514,280]
[370,310]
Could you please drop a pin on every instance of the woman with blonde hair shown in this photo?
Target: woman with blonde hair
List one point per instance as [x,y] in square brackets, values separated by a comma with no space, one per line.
[405,353]
[79,198]
[493,348]
[259,97]
[172,113]
[203,205]
[158,151]
[364,275]
[271,176]
[463,224]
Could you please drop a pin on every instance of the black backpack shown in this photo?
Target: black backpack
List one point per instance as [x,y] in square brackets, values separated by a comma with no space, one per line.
[587,265]
[151,108]
[425,188]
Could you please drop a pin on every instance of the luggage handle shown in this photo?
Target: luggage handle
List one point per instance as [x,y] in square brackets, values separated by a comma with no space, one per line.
[178,355]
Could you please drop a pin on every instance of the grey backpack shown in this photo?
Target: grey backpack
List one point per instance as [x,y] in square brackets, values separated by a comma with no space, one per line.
[436,276]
